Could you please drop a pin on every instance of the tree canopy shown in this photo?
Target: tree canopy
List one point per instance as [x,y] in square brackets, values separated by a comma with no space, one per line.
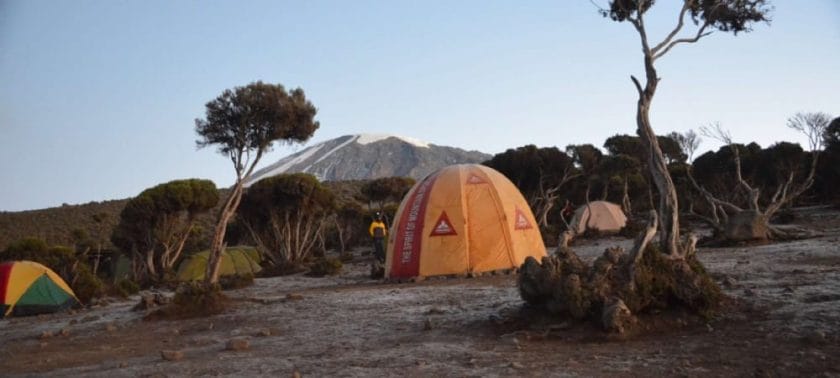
[243,124]
[248,120]
[155,225]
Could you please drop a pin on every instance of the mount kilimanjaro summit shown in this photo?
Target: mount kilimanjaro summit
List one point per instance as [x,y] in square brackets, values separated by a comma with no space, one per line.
[368,156]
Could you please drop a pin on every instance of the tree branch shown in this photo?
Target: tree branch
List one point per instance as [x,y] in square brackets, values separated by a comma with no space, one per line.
[638,86]
[709,197]
[643,240]
[680,22]
[700,34]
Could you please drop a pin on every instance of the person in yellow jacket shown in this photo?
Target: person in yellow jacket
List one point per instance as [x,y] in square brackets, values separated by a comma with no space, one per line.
[378,232]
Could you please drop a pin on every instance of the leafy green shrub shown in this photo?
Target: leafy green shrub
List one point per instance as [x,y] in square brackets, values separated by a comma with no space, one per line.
[60,259]
[326,266]
[125,287]
[86,285]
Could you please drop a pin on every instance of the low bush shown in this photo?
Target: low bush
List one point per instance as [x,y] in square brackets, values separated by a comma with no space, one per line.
[633,228]
[59,259]
[86,285]
[236,281]
[125,288]
[281,270]
[326,266]
[192,300]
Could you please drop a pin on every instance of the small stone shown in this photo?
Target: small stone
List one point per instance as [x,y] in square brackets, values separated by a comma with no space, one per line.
[72,321]
[749,292]
[729,282]
[237,344]
[45,335]
[295,374]
[709,327]
[263,332]
[420,363]
[435,311]
[516,365]
[294,297]
[122,365]
[88,319]
[817,336]
[110,327]
[64,332]
[172,355]
[427,324]
[43,344]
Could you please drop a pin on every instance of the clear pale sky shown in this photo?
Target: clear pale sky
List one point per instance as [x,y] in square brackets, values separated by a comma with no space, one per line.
[98,98]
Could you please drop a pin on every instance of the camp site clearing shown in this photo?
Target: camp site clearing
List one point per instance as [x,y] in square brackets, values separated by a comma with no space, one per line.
[783,319]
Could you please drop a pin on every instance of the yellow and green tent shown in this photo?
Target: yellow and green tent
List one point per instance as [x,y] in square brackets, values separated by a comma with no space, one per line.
[235,260]
[29,288]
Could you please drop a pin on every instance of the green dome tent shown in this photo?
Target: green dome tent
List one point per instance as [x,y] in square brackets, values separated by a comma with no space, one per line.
[235,260]
[29,288]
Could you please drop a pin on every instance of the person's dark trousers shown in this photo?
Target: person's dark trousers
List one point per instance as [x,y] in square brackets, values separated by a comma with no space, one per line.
[379,249]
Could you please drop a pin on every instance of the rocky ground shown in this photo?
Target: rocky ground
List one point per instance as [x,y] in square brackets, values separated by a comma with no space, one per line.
[782,318]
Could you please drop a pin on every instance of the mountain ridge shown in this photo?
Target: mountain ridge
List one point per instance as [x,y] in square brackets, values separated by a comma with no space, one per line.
[369,156]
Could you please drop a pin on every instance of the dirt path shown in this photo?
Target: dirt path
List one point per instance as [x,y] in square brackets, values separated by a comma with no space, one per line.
[783,319]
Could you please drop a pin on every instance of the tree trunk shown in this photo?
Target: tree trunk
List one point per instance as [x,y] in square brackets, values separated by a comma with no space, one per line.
[625,199]
[340,231]
[211,275]
[668,207]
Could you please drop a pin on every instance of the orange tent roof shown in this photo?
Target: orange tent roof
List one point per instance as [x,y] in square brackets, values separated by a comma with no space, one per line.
[459,219]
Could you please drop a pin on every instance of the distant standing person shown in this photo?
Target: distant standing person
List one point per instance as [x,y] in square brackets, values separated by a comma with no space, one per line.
[378,232]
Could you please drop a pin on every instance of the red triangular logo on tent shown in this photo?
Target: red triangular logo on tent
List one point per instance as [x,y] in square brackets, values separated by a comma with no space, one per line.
[474,179]
[521,221]
[443,226]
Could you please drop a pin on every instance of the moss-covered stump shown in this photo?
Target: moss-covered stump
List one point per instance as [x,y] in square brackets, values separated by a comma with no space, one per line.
[618,285]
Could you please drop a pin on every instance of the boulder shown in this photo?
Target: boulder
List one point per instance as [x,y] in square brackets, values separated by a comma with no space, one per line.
[237,344]
[172,355]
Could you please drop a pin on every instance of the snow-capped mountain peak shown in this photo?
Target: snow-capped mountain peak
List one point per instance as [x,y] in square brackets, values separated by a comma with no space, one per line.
[367,156]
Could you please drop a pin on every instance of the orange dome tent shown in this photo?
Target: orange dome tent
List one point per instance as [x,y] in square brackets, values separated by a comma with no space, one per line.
[460,219]
[599,215]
